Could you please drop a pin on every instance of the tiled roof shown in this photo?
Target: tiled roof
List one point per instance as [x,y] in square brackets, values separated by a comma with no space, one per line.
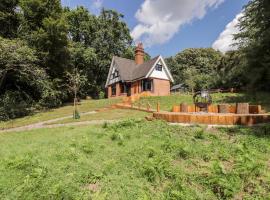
[129,71]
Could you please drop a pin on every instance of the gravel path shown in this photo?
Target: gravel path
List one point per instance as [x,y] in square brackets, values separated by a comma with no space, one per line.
[45,124]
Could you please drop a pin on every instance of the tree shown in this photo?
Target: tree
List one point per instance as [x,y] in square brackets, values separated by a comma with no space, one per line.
[9,18]
[231,70]
[22,83]
[254,42]
[102,37]
[203,62]
[45,28]
[76,80]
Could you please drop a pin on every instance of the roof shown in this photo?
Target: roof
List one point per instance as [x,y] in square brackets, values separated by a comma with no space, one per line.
[179,86]
[130,71]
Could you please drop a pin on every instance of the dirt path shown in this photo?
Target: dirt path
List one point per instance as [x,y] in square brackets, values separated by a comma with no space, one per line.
[45,124]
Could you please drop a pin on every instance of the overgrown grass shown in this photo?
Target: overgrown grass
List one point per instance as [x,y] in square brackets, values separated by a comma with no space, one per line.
[167,102]
[85,106]
[135,159]
[114,114]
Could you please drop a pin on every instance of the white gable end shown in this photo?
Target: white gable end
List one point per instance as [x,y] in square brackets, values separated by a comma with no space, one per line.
[113,75]
[159,71]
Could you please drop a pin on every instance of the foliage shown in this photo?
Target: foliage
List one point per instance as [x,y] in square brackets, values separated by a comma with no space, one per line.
[197,68]
[100,38]
[9,18]
[254,41]
[231,70]
[21,81]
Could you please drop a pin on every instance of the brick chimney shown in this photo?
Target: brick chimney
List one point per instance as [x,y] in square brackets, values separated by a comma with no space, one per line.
[139,54]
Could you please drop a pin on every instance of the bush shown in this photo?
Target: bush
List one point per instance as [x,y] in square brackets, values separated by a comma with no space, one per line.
[13,104]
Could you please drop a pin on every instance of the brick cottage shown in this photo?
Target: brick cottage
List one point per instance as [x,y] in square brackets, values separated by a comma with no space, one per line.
[128,77]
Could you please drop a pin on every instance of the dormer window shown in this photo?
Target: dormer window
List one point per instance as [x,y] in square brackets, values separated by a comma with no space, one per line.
[158,67]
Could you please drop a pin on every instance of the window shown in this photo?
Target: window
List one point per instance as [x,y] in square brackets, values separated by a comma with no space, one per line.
[123,88]
[113,90]
[147,85]
[158,67]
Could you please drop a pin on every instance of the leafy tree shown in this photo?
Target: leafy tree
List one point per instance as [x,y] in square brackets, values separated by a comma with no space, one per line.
[254,41]
[231,70]
[45,29]
[22,83]
[9,18]
[203,62]
[101,37]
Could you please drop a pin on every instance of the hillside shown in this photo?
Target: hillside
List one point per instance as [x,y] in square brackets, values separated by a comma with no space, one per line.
[135,159]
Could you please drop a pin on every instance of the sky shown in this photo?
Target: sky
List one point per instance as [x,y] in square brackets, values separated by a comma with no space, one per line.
[167,27]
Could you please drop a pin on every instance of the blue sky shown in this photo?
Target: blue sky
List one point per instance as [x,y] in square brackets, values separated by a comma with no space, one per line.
[167,27]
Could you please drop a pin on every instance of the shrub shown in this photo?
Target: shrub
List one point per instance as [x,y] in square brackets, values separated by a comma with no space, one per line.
[13,104]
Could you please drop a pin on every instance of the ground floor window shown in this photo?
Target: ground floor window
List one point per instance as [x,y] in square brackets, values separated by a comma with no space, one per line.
[123,88]
[113,90]
[147,85]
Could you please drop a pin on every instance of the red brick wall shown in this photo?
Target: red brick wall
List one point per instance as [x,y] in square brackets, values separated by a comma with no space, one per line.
[136,87]
[109,91]
[161,87]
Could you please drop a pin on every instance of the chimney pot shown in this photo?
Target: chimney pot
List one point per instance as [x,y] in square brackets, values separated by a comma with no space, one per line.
[139,54]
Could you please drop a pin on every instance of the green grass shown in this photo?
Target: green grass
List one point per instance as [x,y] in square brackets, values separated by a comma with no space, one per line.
[167,102]
[114,114]
[136,160]
[85,106]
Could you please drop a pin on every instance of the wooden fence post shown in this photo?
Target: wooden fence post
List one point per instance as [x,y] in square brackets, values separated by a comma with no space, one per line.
[148,106]
[158,107]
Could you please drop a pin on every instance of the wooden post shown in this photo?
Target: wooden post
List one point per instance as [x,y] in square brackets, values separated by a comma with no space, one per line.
[223,108]
[158,107]
[148,106]
[183,107]
[242,108]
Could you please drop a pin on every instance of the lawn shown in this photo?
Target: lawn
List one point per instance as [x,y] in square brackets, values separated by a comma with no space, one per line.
[85,106]
[167,102]
[112,114]
[136,159]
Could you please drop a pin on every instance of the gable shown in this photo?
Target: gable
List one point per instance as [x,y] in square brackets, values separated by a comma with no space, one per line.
[114,75]
[160,70]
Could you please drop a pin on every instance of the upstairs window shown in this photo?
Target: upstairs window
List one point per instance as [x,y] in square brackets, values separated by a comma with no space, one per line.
[158,67]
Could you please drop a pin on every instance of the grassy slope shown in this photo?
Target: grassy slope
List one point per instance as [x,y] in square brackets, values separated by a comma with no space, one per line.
[114,114]
[85,106]
[166,102]
[136,160]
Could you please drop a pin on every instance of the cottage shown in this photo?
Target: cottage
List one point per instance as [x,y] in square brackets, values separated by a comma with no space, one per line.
[128,77]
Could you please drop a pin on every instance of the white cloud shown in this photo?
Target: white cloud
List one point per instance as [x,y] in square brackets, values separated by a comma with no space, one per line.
[96,6]
[160,20]
[225,40]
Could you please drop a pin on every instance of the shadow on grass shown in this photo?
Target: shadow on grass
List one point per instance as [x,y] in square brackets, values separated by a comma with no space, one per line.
[261,131]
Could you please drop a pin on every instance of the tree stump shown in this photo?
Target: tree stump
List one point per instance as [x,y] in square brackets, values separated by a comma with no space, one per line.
[242,108]
[223,108]
[183,107]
